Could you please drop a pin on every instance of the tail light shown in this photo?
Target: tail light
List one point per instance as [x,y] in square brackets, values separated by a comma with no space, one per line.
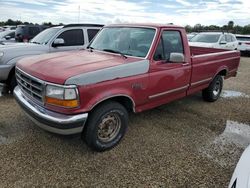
[247,43]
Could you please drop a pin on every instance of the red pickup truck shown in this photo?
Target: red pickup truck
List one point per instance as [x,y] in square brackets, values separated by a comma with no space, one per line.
[131,67]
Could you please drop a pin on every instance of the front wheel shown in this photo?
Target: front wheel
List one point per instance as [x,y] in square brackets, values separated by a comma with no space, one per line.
[213,91]
[106,126]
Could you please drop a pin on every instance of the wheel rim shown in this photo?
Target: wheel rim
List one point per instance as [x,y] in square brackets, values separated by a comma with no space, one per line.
[109,127]
[217,88]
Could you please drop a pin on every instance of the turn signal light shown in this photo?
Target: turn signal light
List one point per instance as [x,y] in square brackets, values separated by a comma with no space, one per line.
[63,103]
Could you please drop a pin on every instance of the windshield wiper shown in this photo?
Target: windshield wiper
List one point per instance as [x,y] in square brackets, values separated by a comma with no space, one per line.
[116,52]
[91,48]
[35,42]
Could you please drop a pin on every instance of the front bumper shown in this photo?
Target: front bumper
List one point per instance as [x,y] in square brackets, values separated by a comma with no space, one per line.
[49,120]
[4,72]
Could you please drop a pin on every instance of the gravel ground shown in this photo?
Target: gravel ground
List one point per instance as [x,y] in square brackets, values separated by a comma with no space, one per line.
[187,143]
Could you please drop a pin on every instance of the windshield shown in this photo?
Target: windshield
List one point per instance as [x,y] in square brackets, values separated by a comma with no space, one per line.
[124,40]
[207,38]
[45,36]
[243,38]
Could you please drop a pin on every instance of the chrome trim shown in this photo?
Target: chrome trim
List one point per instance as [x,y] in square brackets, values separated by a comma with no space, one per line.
[55,130]
[47,83]
[216,53]
[44,85]
[168,92]
[201,81]
[50,116]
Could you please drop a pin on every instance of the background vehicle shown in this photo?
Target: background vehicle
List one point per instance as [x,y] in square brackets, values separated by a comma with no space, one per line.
[26,32]
[9,27]
[55,39]
[243,44]
[241,175]
[191,35]
[129,67]
[7,36]
[214,40]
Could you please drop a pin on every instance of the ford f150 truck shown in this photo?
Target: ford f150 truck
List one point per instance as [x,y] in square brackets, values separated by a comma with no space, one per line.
[55,39]
[132,67]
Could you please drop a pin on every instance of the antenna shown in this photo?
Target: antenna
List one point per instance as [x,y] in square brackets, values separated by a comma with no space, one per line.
[79,11]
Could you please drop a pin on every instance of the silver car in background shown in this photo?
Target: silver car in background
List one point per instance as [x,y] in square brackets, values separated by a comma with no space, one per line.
[215,40]
[55,39]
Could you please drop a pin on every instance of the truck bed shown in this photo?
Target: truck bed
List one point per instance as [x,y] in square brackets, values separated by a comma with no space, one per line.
[208,62]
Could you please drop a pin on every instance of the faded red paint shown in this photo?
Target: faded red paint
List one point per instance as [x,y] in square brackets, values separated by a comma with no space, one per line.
[199,65]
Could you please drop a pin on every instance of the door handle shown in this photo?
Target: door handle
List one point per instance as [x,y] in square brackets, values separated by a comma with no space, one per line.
[185,64]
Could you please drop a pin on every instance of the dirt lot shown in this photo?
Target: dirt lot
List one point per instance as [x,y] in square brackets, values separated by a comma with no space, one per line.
[187,143]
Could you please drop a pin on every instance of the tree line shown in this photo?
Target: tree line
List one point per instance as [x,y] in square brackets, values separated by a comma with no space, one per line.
[230,27]
[18,22]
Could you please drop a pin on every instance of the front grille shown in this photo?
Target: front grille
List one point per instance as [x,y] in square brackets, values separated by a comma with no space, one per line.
[30,85]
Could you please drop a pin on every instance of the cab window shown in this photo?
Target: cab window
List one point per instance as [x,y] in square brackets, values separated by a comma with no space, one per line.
[72,37]
[170,42]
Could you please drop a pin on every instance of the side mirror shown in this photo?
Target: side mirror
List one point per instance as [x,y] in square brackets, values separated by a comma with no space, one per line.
[177,58]
[223,42]
[7,37]
[58,42]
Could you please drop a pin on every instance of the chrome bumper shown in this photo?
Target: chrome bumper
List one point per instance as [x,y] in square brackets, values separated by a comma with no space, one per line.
[49,120]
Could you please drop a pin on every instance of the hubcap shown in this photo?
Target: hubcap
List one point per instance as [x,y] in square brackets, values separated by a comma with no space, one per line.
[217,88]
[109,127]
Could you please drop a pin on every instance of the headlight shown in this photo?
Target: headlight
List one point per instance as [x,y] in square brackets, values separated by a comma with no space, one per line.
[62,96]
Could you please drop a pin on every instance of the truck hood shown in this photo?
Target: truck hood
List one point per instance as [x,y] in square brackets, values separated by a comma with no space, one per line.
[59,67]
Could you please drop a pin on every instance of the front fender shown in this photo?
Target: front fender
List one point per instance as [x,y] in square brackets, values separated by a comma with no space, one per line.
[96,96]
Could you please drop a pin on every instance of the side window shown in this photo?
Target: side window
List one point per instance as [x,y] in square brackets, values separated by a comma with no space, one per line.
[233,38]
[92,33]
[171,42]
[223,38]
[159,53]
[228,38]
[12,34]
[72,37]
[33,31]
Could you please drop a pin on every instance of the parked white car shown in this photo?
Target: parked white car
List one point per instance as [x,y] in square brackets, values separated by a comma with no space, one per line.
[243,43]
[191,35]
[215,40]
[241,175]
[7,36]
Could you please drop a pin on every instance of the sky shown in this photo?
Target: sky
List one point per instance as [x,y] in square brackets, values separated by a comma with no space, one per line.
[179,12]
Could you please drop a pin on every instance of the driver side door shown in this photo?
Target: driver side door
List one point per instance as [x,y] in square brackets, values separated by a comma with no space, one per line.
[169,80]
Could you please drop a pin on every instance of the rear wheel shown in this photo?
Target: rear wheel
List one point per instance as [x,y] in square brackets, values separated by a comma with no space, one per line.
[213,91]
[106,126]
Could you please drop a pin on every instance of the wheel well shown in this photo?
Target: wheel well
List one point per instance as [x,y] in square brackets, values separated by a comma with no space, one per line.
[126,101]
[12,72]
[223,72]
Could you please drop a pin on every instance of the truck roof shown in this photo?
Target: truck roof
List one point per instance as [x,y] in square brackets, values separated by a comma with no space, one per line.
[155,25]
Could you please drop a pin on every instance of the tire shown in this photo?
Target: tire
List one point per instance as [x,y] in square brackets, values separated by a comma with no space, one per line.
[13,83]
[213,91]
[106,126]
